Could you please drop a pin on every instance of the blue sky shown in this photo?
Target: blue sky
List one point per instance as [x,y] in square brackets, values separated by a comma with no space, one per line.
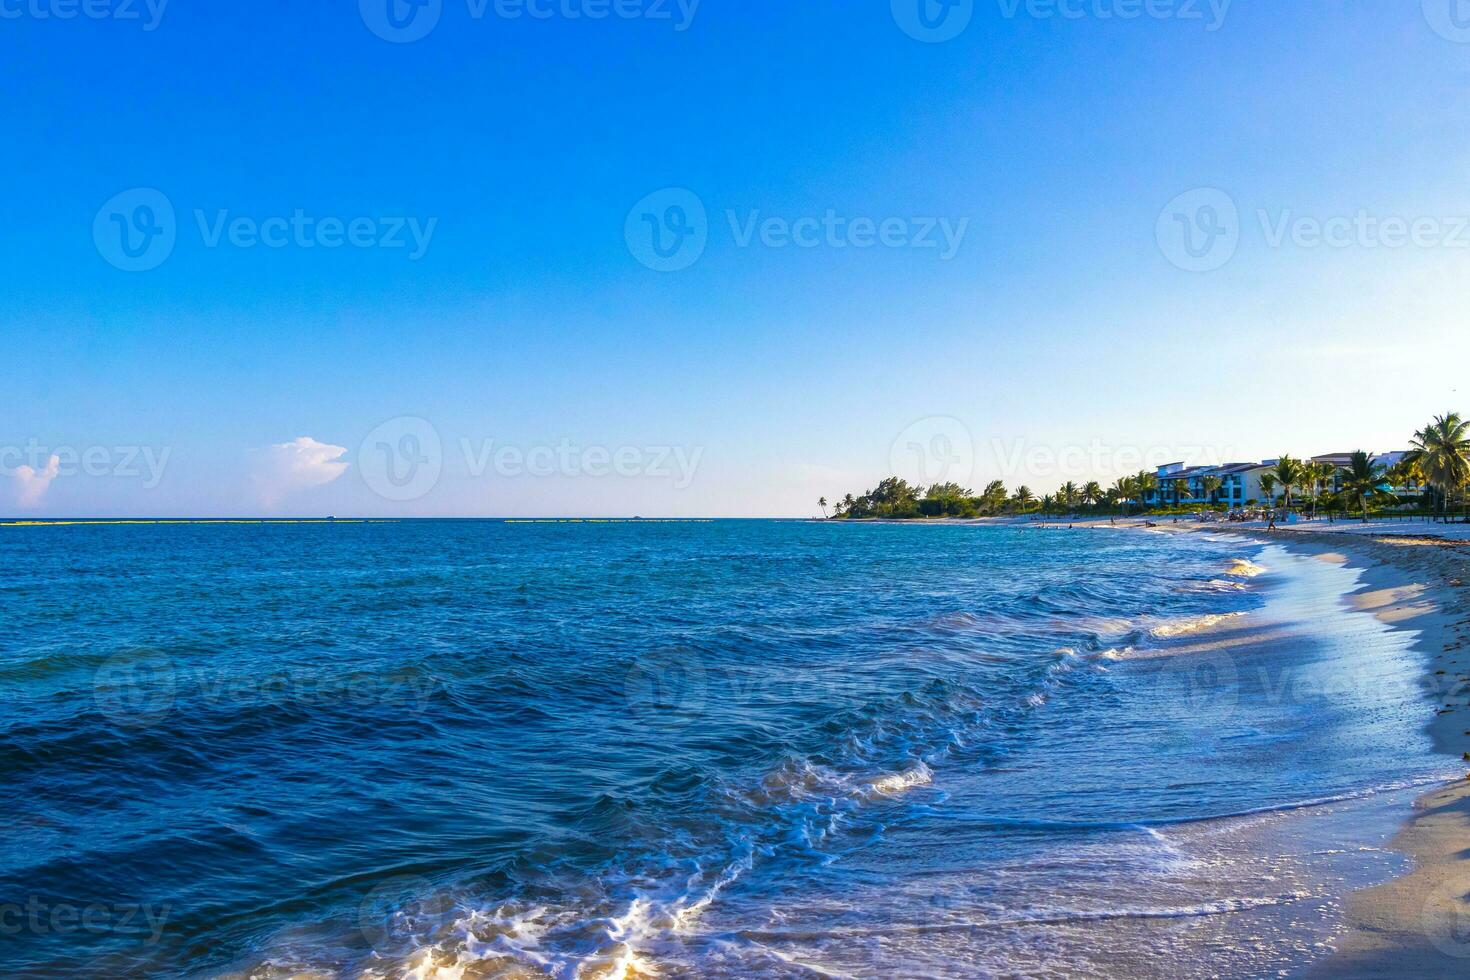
[522,322]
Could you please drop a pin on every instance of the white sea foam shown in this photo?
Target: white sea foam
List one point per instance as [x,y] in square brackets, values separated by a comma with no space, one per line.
[896,783]
[1244,568]
[1192,624]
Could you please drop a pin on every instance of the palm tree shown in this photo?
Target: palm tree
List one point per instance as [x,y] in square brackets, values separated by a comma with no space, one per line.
[1404,473]
[1211,485]
[1092,494]
[822,503]
[1362,479]
[1315,475]
[1144,484]
[1023,498]
[1181,489]
[1268,487]
[1068,494]
[1123,490]
[1288,475]
[1441,454]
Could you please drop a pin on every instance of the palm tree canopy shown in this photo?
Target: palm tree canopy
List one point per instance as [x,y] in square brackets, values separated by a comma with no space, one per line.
[1288,474]
[1441,452]
[1362,480]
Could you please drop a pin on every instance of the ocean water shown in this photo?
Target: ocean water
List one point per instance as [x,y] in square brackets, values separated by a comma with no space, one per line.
[722,749]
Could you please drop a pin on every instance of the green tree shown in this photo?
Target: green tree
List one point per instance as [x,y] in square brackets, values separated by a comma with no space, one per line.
[993,500]
[1092,493]
[1441,453]
[822,503]
[1288,474]
[1069,494]
[1144,484]
[1362,480]
[1268,487]
[1123,491]
[1315,476]
[1210,487]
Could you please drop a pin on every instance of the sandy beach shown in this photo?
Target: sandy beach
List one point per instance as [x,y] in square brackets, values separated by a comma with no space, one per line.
[1415,577]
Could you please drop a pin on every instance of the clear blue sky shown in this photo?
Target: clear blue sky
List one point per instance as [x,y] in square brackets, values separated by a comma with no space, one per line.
[778,373]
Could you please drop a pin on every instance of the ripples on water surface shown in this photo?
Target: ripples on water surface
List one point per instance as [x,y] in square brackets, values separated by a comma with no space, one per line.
[475,749]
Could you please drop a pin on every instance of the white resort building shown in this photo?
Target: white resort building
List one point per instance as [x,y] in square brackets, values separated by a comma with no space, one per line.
[1240,483]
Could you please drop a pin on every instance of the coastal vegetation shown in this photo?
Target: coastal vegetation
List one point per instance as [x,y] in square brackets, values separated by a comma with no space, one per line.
[1432,478]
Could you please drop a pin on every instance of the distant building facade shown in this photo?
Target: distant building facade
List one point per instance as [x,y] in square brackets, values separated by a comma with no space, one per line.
[1240,483]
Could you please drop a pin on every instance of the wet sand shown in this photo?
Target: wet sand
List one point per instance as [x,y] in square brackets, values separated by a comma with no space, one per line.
[1417,925]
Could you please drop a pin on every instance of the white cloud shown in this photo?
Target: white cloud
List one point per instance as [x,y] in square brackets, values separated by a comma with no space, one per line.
[31,484]
[289,467]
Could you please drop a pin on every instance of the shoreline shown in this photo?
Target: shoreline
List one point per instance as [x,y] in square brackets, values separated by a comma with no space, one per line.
[1413,924]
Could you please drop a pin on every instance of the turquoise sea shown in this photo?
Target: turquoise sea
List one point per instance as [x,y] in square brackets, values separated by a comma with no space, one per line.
[715,749]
